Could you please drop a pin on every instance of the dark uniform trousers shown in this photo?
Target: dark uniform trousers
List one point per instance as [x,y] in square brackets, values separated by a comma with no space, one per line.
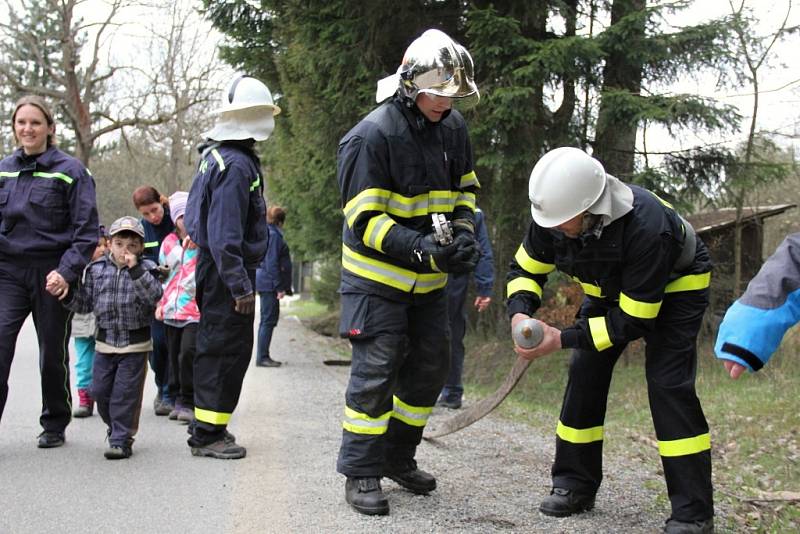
[401,354]
[457,286]
[23,290]
[224,346]
[681,428]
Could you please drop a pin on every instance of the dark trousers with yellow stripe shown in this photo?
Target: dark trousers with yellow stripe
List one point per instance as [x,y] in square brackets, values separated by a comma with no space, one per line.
[401,355]
[224,346]
[681,428]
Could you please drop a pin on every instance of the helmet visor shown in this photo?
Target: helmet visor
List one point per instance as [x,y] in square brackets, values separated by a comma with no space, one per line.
[453,83]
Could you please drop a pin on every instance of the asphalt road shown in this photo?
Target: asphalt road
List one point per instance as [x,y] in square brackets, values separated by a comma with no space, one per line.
[491,475]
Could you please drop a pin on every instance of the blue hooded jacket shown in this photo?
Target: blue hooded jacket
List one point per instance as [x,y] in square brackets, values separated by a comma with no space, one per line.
[754,325]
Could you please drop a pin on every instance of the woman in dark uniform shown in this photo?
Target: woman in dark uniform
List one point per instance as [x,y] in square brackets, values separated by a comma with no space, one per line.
[48,231]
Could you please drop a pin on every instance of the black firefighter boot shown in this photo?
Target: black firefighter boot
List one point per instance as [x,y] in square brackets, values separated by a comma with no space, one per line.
[563,502]
[406,474]
[365,495]
[675,526]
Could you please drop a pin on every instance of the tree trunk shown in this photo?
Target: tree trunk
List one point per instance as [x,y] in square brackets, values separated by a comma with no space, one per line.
[560,129]
[615,139]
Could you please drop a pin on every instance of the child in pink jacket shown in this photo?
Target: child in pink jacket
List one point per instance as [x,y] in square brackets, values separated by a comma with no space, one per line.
[178,309]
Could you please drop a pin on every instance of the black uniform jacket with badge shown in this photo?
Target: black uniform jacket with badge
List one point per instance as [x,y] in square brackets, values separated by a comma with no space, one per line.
[226,214]
[48,209]
[395,168]
[626,273]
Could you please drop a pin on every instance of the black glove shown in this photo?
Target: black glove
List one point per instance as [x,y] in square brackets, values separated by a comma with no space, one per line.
[431,254]
[466,255]
[246,305]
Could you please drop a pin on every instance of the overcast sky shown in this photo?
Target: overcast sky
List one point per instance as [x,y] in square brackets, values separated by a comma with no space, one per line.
[780,83]
[779,80]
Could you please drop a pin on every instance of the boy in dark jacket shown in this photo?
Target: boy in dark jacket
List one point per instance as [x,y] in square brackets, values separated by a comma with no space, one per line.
[122,293]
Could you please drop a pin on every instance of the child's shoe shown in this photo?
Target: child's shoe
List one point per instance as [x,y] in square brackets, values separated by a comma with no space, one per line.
[165,407]
[85,404]
[185,414]
[118,452]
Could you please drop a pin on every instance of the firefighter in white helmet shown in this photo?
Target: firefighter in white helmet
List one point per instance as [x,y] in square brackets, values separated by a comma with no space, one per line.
[407,160]
[226,218]
[645,275]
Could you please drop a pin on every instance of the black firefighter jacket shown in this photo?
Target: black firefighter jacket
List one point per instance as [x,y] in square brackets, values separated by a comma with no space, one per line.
[626,273]
[395,168]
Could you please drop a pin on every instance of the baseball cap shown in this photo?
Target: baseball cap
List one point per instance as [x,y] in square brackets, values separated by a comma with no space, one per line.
[126,224]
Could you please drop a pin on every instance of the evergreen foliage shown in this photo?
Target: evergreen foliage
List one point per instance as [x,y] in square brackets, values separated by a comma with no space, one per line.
[586,73]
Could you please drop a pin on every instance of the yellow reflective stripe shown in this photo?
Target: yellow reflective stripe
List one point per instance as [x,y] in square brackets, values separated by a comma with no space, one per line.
[218,157]
[523,284]
[54,175]
[467,199]
[664,202]
[637,308]
[685,446]
[411,415]
[377,228]
[579,435]
[690,282]
[379,271]
[590,289]
[210,416]
[151,244]
[7,174]
[434,266]
[531,265]
[255,184]
[372,199]
[427,282]
[599,332]
[437,201]
[391,275]
[469,180]
[361,423]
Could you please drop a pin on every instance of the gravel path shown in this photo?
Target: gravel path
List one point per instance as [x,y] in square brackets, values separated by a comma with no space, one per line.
[491,476]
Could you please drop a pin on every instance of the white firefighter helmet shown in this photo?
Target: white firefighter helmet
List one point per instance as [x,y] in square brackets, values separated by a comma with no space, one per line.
[247,112]
[244,92]
[564,183]
[435,64]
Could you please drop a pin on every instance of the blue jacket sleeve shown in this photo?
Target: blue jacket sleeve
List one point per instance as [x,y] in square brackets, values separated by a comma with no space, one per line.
[484,270]
[754,325]
[227,218]
[83,218]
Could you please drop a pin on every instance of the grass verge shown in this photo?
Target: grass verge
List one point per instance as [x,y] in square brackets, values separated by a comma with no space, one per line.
[754,422]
